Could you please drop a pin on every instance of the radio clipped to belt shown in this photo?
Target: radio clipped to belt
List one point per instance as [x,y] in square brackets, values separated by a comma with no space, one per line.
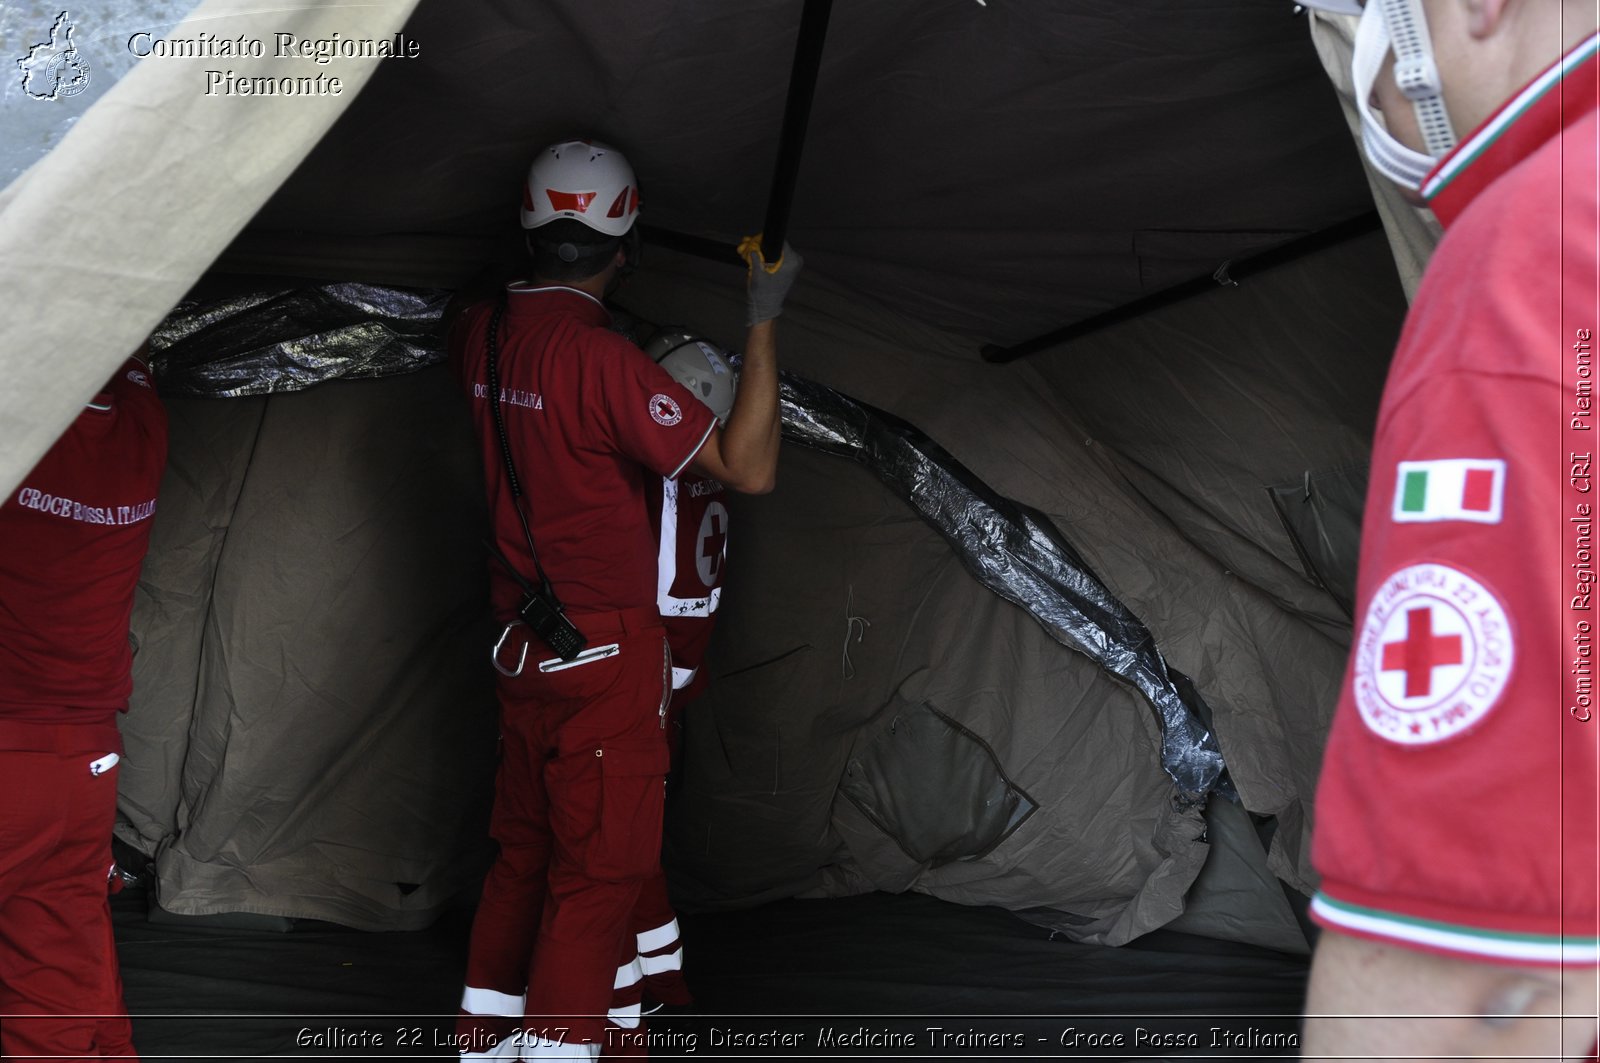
[541,610]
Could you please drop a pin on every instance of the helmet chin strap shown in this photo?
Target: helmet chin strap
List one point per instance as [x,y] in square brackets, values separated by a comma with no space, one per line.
[1402,26]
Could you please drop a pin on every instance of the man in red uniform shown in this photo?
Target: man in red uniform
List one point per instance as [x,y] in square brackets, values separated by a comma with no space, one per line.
[587,419]
[72,539]
[1456,815]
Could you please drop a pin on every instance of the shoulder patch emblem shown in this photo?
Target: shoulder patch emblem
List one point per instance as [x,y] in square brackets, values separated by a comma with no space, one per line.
[1452,489]
[1433,656]
[665,410]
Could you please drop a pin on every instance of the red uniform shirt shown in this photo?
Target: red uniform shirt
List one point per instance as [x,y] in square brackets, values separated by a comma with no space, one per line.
[1457,806]
[73,536]
[589,417]
[691,520]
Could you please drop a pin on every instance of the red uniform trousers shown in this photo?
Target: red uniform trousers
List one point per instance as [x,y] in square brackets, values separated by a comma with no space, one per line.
[655,923]
[650,966]
[58,958]
[578,806]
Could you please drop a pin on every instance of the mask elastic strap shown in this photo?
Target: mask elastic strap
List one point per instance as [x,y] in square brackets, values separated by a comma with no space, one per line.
[1394,160]
[1417,74]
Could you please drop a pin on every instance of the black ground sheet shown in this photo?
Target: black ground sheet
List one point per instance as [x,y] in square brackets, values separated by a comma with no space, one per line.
[872,977]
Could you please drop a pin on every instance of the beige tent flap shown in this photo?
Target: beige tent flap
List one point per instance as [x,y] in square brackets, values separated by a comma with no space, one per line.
[103,235]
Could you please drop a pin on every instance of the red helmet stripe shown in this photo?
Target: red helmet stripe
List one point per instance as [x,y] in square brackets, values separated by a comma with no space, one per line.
[619,205]
[576,201]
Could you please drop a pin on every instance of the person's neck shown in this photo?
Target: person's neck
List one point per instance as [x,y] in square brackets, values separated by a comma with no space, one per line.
[1532,36]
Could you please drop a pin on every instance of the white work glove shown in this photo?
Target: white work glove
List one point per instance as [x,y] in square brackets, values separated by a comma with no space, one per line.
[768,283]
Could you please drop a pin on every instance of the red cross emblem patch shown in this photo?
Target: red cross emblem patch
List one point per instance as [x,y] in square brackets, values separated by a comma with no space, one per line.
[1433,655]
[665,410]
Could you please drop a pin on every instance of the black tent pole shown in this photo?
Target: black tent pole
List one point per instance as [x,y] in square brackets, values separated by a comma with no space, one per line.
[1230,272]
[791,140]
[796,114]
[700,246]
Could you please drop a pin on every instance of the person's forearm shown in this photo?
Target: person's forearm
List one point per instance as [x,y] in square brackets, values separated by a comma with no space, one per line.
[1370,1001]
[750,440]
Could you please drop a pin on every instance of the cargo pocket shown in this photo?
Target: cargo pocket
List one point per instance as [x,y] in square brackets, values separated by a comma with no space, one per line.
[633,786]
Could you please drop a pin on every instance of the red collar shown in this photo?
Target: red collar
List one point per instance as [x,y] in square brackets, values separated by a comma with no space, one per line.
[1564,93]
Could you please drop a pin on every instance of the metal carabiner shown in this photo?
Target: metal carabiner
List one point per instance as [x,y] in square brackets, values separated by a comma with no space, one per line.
[494,654]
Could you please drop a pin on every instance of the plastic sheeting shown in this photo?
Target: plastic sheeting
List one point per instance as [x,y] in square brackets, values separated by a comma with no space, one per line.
[289,341]
[1015,552]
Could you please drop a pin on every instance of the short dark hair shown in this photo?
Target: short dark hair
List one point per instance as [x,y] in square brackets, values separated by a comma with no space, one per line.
[568,250]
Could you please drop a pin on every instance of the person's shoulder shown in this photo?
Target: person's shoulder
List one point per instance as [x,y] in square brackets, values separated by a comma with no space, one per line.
[611,349]
[1500,256]
[462,316]
[1526,210]
[462,321]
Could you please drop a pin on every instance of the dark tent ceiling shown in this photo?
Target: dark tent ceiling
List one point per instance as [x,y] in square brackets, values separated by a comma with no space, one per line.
[1001,169]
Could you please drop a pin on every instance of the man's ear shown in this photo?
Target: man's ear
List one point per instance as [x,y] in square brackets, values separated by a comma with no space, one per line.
[1484,17]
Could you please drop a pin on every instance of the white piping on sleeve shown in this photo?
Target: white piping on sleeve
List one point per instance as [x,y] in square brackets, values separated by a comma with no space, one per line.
[697,447]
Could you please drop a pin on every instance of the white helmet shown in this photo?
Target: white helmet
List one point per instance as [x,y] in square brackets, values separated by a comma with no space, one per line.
[585,180]
[704,368]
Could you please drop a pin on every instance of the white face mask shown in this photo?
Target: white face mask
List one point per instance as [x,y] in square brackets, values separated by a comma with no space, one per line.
[1417,77]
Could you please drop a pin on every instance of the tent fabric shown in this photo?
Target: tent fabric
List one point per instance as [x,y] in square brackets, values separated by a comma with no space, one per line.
[103,235]
[1150,445]
[931,785]
[999,169]
[359,500]
[312,728]
[1015,553]
[312,731]
[1321,513]
[270,342]
[761,815]
[254,830]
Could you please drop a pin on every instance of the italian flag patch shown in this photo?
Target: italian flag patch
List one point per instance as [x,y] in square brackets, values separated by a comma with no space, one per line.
[1451,489]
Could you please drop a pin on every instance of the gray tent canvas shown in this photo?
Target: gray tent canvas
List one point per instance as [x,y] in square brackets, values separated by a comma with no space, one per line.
[312,729]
